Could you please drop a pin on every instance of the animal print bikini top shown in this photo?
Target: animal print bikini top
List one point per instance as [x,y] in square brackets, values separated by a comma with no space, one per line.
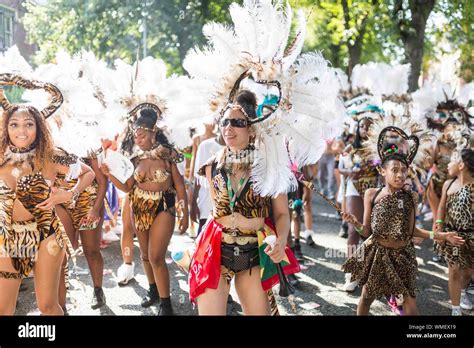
[248,203]
[163,152]
[31,190]
[159,176]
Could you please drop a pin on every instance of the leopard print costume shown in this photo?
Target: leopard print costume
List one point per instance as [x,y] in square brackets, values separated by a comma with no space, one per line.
[385,271]
[459,218]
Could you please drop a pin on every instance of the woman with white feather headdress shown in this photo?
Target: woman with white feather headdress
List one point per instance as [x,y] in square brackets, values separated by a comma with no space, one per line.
[155,183]
[78,128]
[272,106]
[31,235]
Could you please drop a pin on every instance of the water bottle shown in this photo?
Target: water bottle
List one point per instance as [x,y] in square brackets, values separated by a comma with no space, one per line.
[182,259]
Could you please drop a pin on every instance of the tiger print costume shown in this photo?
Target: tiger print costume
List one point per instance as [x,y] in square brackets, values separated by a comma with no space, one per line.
[146,205]
[249,205]
[20,240]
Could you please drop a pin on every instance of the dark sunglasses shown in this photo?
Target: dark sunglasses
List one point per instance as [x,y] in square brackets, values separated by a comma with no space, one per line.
[234,122]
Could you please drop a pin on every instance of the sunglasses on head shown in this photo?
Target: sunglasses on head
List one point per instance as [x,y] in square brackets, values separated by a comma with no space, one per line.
[234,122]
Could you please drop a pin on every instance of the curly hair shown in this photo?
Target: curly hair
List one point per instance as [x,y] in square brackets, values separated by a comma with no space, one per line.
[43,141]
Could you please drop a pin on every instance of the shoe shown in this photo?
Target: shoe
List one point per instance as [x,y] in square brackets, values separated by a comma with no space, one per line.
[292,279]
[165,307]
[331,196]
[470,288]
[465,301]
[348,285]
[436,258]
[98,299]
[151,297]
[343,232]
[125,273]
[297,252]
[309,238]
[110,237]
[456,312]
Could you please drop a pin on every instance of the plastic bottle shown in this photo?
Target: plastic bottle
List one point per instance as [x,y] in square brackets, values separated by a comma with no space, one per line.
[182,259]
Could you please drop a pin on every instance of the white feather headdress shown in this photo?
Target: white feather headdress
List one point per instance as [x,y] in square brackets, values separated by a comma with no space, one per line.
[257,50]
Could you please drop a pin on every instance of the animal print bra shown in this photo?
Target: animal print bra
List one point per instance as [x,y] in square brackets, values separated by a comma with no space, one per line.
[159,176]
[249,204]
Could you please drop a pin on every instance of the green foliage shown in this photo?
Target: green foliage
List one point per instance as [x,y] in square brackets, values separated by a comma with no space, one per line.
[14,94]
[113,28]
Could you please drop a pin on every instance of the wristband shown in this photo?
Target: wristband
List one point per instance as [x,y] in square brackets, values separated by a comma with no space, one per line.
[439,221]
[359,230]
[431,234]
[75,196]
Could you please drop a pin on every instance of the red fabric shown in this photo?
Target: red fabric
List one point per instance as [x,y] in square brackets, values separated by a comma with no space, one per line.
[205,269]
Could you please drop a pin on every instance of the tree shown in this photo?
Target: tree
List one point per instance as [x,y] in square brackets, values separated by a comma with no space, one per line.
[114,28]
[351,32]
[411,23]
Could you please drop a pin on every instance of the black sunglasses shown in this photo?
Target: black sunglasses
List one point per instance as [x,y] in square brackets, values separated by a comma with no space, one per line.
[234,122]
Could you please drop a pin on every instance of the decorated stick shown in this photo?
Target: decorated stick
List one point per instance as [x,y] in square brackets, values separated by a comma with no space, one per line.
[286,289]
[300,177]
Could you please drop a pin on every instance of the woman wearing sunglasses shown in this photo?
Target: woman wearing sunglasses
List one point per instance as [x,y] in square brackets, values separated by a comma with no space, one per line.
[239,218]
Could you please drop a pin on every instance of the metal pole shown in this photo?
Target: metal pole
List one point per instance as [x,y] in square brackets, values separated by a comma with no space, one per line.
[144,38]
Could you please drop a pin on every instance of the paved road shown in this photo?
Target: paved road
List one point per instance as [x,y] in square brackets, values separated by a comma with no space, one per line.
[319,292]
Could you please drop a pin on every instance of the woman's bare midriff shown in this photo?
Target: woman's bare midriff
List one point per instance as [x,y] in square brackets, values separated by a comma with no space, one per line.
[241,222]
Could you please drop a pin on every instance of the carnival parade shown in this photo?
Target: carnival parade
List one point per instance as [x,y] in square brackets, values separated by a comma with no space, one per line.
[261,179]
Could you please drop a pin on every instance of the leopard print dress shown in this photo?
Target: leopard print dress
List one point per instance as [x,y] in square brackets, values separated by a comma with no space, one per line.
[382,270]
[459,218]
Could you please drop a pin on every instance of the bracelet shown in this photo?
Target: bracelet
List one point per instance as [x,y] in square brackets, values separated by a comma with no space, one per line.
[439,221]
[75,196]
[359,230]
[431,234]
